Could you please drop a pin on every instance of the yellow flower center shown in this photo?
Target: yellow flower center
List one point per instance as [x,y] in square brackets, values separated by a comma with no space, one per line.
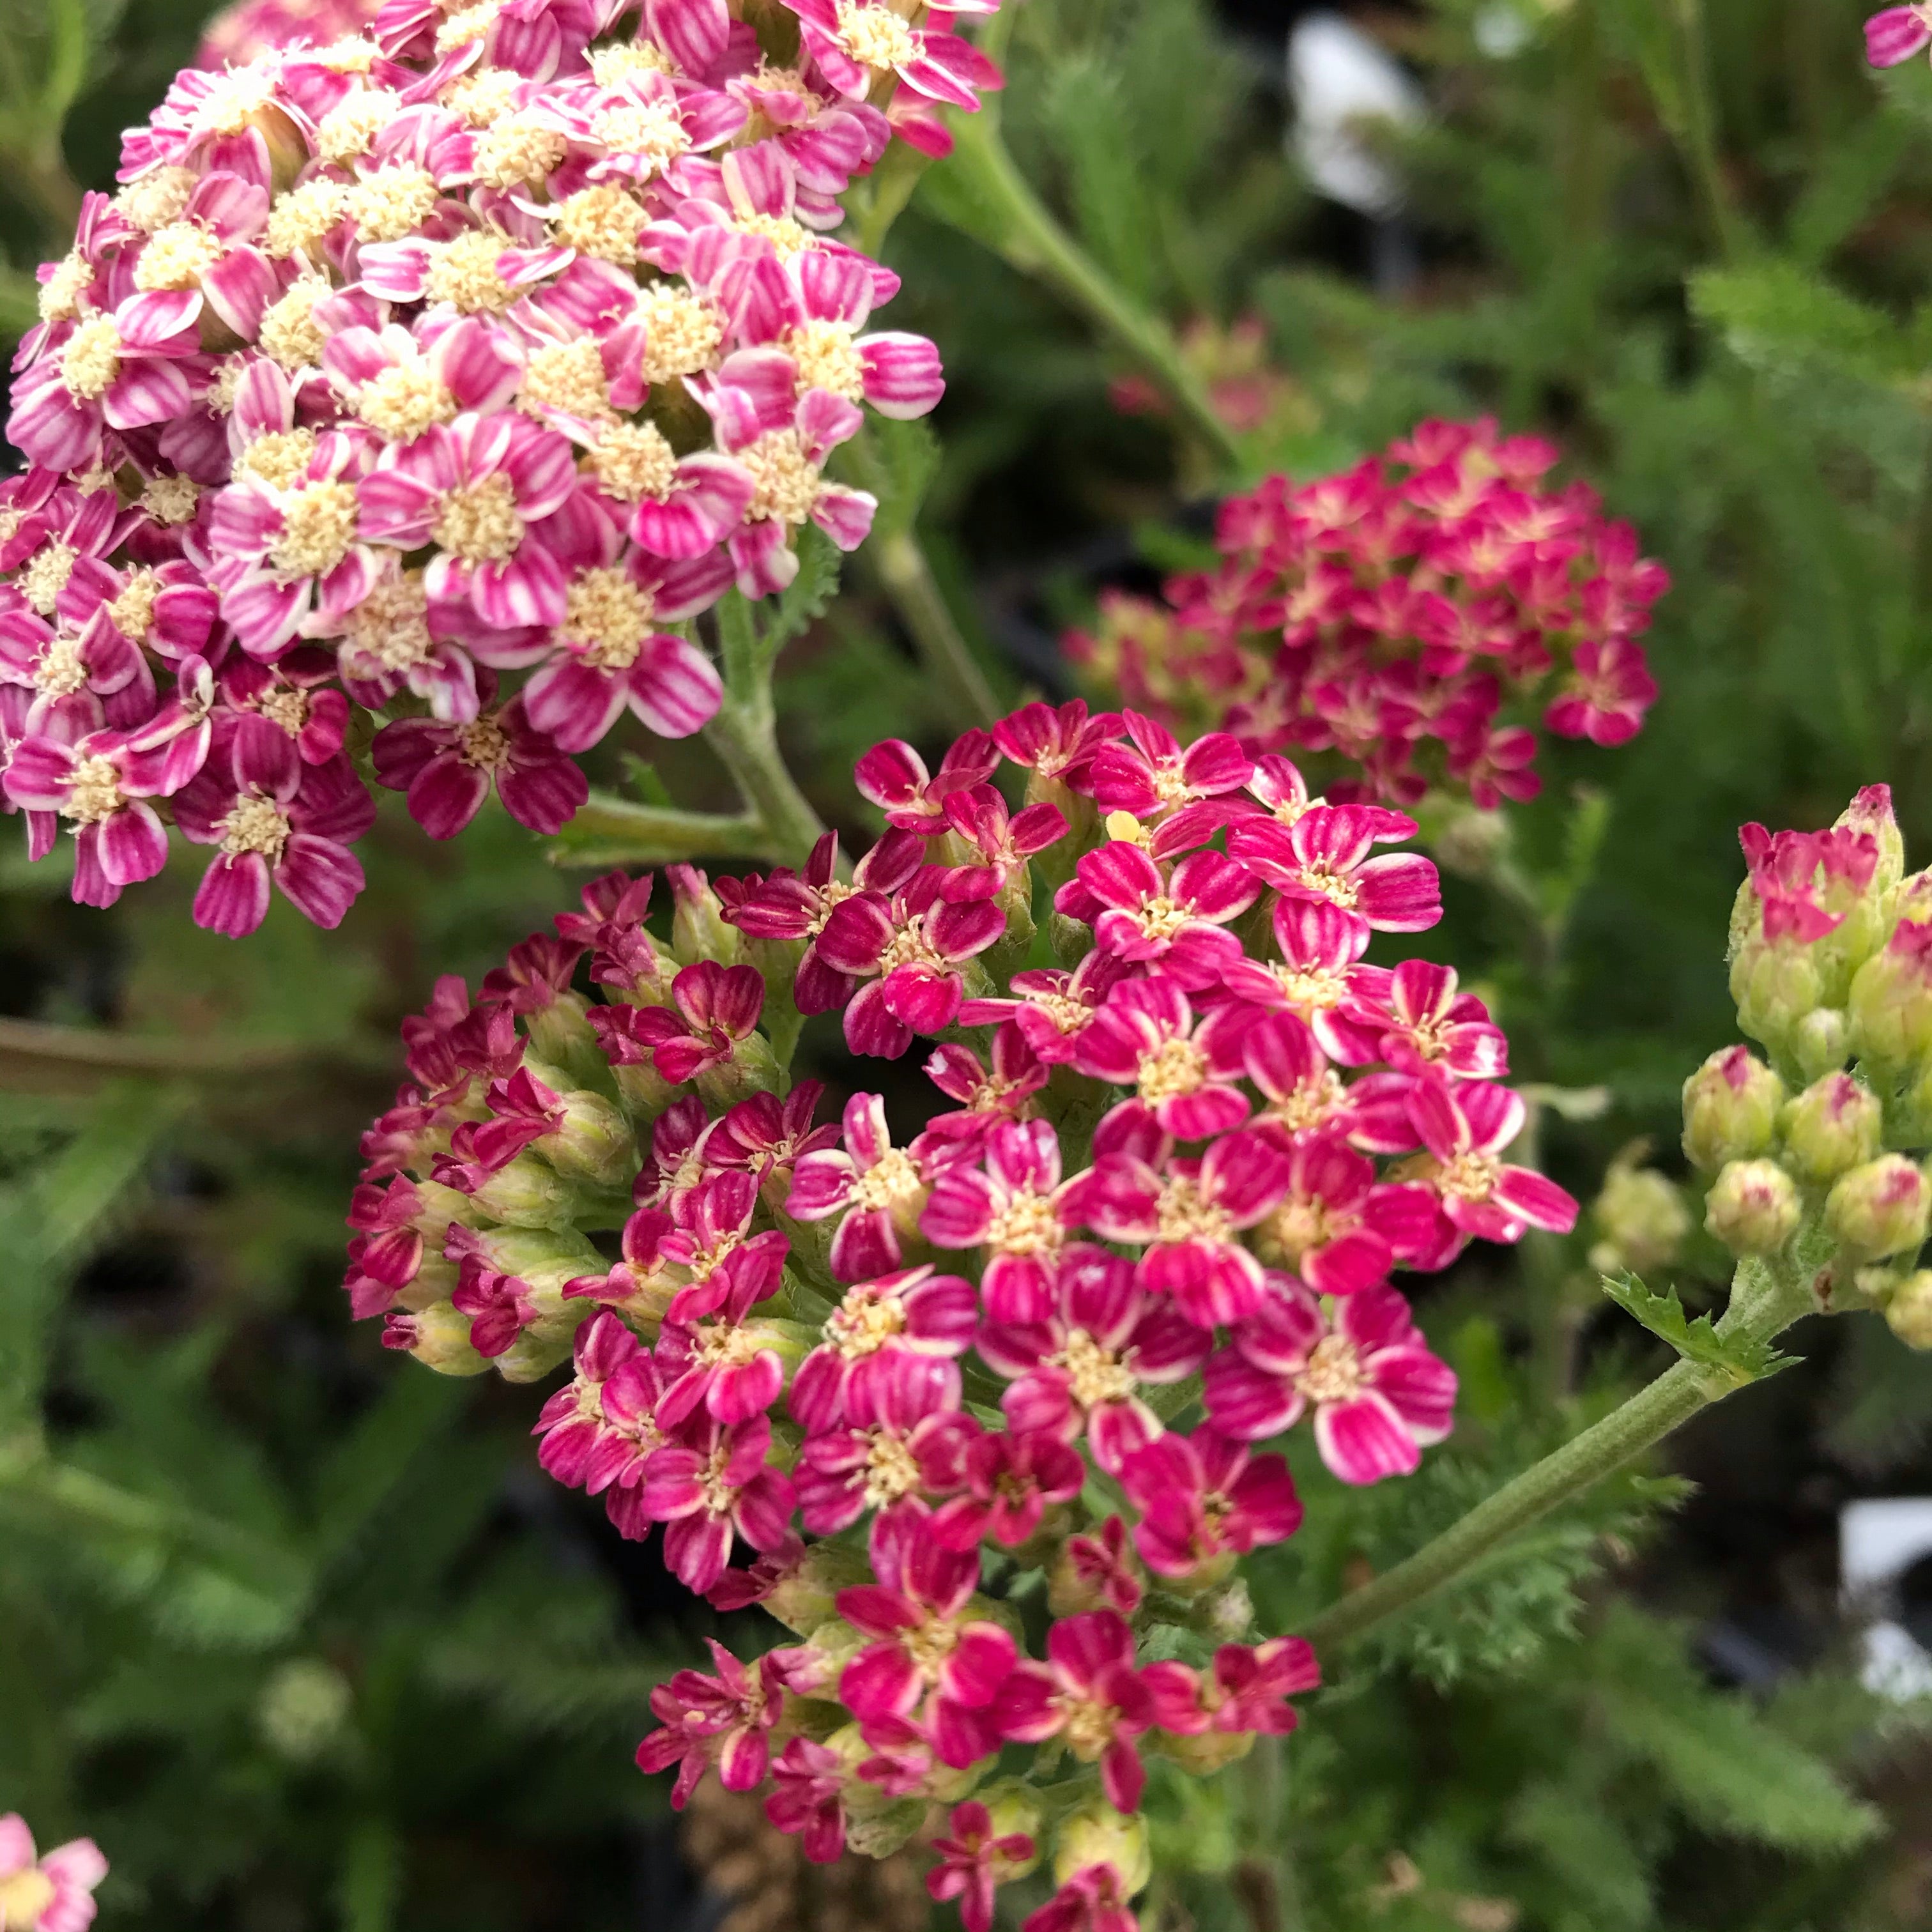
[346,132]
[132,611]
[300,218]
[608,616]
[787,480]
[391,624]
[1469,1177]
[171,499]
[1182,1215]
[61,293]
[602,221]
[891,1471]
[91,358]
[612,65]
[469,24]
[874,36]
[479,522]
[483,743]
[93,792]
[649,129]
[788,236]
[633,461]
[827,358]
[279,458]
[1094,1374]
[1161,918]
[404,400]
[393,201]
[863,1327]
[257,824]
[156,198]
[483,96]
[683,332]
[463,272]
[290,334]
[318,527]
[24,1897]
[892,1183]
[60,673]
[1027,1224]
[569,376]
[45,575]
[177,257]
[1333,1373]
[517,152]
[1175,1067]
[287,707]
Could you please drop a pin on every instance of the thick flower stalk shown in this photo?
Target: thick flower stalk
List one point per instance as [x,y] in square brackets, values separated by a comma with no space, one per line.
[443,373]
[989,1414]
[1411,622]
[46,1891]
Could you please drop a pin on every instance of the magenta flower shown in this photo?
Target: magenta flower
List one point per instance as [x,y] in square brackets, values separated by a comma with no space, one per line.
[293,694]
[1338,1227]
[979,819]
[881,1189]
[717,1360]
[276,821]
[1317,978]
[1011,1481]
[1243,1692]
[903,1445]
[1089,1692]
[1204,1497]
[1094,1900]
[1015,1209]
[1465,1127]
[926,1642]
[1056,744]
[1189,1214]
[1379,1396]
[893,776]
[101,785]
[808,1799]
[989,1098]
[855,41]
[600,1430]
[89,681]
[1181,920]
[105,372]
[1325,855]
[448,770]
[715,1008]
[1102,1570]
[1897,33]
[974,1861]
[1609,689]
[1053,1009]
[1425,1022]
[1303,1094]
[1081,1369]
[1146,1037]
[768,1136]
[51,1892]
[712,1479]
[911,1311]
[912,950]
[1153,776]
[726,1720]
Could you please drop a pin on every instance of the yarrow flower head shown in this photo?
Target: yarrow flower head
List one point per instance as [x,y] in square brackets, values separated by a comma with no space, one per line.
[50,1892]
[446,371]
[872,1378]
[1409,622]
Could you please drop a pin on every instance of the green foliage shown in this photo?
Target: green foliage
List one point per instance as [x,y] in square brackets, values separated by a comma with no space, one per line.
[1727,1362]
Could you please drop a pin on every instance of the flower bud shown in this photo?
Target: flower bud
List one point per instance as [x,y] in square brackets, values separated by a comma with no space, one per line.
[752,1069]
[1909,1312]
[1774,987]
[1642,1216]
[1891,997]
[1752,1206]
[1470,841]
[1013,1811]
[438,1336]
[878,1835]
[1730,1107]
[560,1034]
[1206,1752]
[644,1091]
[593,1142]
[1833,1126]
[698,930]
[545,1258]
[303,1708]
[542,1345]
[1097,1835]
[1880,1209]
[1870,813]
[527,1192]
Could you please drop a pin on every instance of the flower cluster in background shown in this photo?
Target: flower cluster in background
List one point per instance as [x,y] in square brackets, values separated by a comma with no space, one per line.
[51,1892]
[1407,620]
[987,1410]
[1831,970]
[494,343]
[236,34]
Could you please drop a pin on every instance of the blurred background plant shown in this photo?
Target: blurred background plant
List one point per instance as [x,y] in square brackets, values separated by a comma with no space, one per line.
[302,1644]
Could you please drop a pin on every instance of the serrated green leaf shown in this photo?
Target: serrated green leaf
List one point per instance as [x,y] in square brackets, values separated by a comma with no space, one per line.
[1731,1363]
[1778,316]
[805,598]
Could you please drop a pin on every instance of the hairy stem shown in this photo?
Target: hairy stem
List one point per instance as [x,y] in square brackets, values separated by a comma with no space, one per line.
[907,577]
[1766,1298]
[1031,241]
[744,735]
[609,830]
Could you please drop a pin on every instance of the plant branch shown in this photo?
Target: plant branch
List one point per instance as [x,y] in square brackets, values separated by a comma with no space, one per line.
[902,564]
[744,734]
[609,830]
[1766,1298]
[1023,232]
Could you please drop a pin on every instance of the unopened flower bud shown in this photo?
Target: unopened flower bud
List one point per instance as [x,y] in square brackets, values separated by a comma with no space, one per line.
[1909,1312]
[593,1142]
[1097,1835]
[303,1708]
[878,1835]
[1013,1811]
[560,1034]
[1833,1126]
[1880,1209]
[542,1345]
[546,1257]
[1870,812]
[1821,1041]
[1730,1107]
[698,930]
[1891,997]
[644,1091]
[528,1192]
[1774,987]
[438,1336]
[1752,1206]
[1470,841]
[752,1069]
[1642,1216]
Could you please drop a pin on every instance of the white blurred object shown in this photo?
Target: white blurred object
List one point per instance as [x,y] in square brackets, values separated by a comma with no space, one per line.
[1502,31]
[1338,78]
[1879,1539]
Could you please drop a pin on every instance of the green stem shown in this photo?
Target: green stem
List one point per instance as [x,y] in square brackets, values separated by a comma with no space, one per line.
[744,734]
[892,182]
[1697,136]
[907,576]
[609,831]
[1766,1298]
[1032,241]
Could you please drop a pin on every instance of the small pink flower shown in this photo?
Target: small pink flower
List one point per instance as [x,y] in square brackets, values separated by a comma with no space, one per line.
[1317,980]
[717,1360]
[121,371]
[989,1098]
[808,1799]
[1154,775]
[1014,1209]
[1897,33]
[1056,744]
[902,1445]
[1338,1226]
[1103,1567]
[893,776]
[1303,1094]
[973,1862]
[1181,921]
[726,1720]
[1425,1022]
[713,1479]
[600,1430]
[924,1638]
[100,786]
[448,770]
[855,41]
[1325,855]
[1052,1008]
[1203,1497]
[1095,1900]
[276,821]
[1011,1481]
[1609,690]
[1465,1127]
[1088,1691]
[769,1137]
[1003,844]
[52,1892]
[882,1190]
[1244,1691]
[1081,1368]
[716,1007]
[1146,1036]
[911,1311]
[1379,1396]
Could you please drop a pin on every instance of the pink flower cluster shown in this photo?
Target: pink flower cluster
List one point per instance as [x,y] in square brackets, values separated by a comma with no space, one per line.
[238,33]
[52,1892]
[1405,619]
[1152,1230]
[498,341]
